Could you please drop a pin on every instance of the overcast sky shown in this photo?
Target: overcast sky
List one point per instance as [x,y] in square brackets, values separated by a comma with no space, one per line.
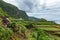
[48,9]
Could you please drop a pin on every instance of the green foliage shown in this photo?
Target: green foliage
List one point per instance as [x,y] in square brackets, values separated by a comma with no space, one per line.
[42,35]
[46,23]
[13,27]
[22,29]
[29,26]
[2,13]
[5,33]
[0,20]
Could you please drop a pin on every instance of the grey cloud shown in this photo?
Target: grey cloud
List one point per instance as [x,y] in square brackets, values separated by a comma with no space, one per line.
[29,5]
[34,7]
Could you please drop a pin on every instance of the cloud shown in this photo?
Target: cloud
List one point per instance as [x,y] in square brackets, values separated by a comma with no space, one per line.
[28,5]
[34,5]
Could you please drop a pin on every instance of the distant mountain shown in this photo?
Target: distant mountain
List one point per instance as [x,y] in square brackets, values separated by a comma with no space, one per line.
[37,19]
[12,11]
[33,18]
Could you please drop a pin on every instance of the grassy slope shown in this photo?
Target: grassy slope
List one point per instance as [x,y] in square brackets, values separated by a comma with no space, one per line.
[46,28]
[32,34]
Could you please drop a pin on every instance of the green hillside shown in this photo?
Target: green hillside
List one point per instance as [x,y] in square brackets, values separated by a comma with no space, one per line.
[12,28]
[12,11]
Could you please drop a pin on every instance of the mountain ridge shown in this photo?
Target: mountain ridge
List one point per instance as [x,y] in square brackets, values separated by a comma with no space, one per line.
[12,10]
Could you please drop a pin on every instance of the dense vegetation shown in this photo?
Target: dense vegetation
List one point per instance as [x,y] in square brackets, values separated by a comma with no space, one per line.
[12,28]
[12,11]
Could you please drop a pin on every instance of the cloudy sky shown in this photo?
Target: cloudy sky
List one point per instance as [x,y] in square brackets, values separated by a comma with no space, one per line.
[48,9]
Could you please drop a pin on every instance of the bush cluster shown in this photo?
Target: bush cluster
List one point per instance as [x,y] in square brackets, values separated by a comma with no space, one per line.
[5,33]
[13,27]
[29,26]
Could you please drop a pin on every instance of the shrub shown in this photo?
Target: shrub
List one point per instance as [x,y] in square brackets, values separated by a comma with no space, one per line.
[42,35]
[29,26]
[5,33]
[13,27]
